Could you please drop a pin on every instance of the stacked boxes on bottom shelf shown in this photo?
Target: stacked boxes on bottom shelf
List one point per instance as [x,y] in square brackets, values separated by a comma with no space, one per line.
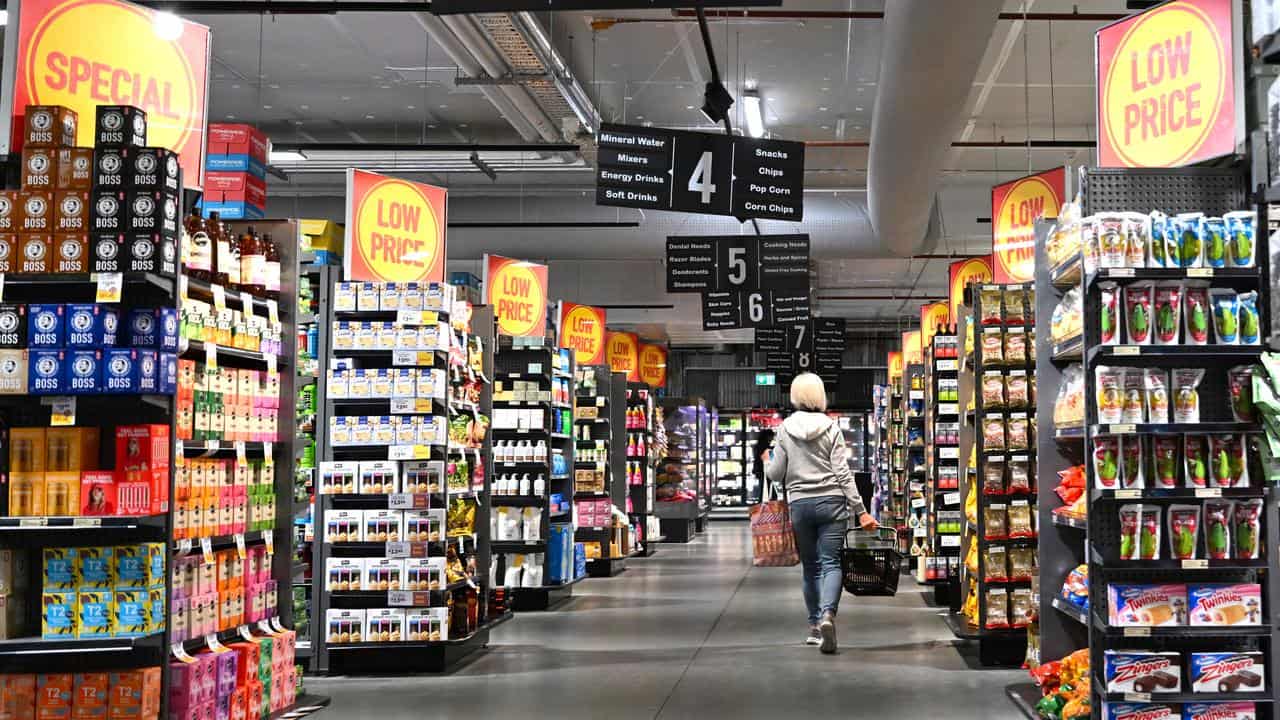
[102,592]
[218,596]
[253,680]
[120,695]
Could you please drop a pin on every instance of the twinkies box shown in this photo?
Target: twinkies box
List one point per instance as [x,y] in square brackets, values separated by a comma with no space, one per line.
[84,372]
[1227,672]
[90,325]
[45,374]
[46,325]
[1147,605]
[155,328]
[1225,604]
[1140,711]
[1219,711]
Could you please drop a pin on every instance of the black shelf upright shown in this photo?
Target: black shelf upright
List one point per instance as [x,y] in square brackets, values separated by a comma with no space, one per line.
[607,430]
[642,461]
[943,462]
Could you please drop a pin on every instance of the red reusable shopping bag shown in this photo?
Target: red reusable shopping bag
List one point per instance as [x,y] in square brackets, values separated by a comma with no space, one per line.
[773,542]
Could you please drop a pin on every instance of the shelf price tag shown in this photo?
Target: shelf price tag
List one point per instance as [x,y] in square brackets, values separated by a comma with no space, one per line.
[240,549]
[408,598]
[412,358]
[212,641]
[109,287]
[268,454]
[1137,697]
[920,532]
[241,456]
[917,503]
[269,541]
[950,541]
[246,304]
[33,522]
[1200,564]
[1208,492]
[1137,632]
[400,452]
[1126,350]
[949,453]
[947,364]
[86,522]
[183,287]
[265,627]
[245,633]
[1125,429]
[210,356]
[951,498]
[1120,272]
[407,501]
[406,550]
[181,654]
[184,546]
[206,550]
[219,299]
[273,367]
[916,395]
[1128,494]
[63,413]
[275,623]
[1202,272]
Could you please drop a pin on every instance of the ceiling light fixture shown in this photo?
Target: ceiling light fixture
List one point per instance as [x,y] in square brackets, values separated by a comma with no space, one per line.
[4,18]
[166,26]
[754,110]
[279,156]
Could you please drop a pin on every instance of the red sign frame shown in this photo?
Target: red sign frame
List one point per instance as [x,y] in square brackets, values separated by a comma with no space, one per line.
[368,195]
[517,292]
[1015,208]
[582,330]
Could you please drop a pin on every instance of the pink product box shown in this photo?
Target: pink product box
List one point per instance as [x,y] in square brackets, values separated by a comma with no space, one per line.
[1225,604]
[227,665]
[271,598]
[1147,605]
[184,689]
[222,708]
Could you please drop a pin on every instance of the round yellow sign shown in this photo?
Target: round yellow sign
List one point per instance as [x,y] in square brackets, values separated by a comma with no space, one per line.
[396,231]
[86,52]
[1015,226]
[584,334]
[518,300]
[1164,91]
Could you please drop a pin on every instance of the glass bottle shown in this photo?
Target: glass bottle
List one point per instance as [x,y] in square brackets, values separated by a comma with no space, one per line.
[271,271]
[222,250]
[252,262]
[232,266]
[197,247]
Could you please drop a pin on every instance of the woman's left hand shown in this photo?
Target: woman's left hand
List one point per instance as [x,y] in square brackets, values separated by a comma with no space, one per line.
[868,523]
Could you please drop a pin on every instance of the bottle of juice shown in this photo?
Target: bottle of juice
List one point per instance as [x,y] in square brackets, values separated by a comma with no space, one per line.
[197,247]
[252,262]
[271,273]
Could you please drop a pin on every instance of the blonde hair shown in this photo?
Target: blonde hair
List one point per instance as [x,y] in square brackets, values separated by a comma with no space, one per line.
[808,393]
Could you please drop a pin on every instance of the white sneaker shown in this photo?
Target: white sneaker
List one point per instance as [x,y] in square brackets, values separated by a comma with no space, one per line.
[815,636]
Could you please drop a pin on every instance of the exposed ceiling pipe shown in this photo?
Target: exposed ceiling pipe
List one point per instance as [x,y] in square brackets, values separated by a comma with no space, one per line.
[468,65]
[471,37]
[873,15]
[566,83]
[918,109]
[1019,144]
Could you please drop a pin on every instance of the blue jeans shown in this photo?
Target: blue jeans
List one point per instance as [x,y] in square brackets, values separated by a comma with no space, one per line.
[820,524]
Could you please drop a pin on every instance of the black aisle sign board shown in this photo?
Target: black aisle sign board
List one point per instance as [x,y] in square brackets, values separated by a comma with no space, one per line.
[771,340]
[815,346]
[724,263]
[659,169]
[449,7]
[753,309]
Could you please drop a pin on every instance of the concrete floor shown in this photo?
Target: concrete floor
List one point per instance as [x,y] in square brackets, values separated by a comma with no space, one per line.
[696,632]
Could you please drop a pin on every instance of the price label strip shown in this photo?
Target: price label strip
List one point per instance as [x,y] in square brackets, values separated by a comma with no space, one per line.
[181,654]
[241,456]
[63,413]
[219,299]
[110,287]
[210,356]
[240,549]
[206,550]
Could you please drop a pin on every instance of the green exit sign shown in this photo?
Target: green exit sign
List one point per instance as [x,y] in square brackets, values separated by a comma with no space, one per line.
[766,379]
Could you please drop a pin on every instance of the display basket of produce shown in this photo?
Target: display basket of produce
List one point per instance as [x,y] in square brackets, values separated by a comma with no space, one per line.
[871,563]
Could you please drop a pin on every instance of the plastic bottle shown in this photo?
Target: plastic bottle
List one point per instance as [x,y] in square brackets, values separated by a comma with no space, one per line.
[540,486]
[540,452]
[525,484]
[271,267]
[220,248]
[252,262]
[197,250]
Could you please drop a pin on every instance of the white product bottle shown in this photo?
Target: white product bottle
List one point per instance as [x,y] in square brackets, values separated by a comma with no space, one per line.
[524,484]
[523,451]
[540,486]
[540,452]
[500,451]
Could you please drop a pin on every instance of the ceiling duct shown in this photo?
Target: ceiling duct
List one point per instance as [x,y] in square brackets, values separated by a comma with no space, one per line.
[930,55]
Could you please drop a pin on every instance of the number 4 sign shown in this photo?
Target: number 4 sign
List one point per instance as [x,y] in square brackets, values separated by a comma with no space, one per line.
[702,171]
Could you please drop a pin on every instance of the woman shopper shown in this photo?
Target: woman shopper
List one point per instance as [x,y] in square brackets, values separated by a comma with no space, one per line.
[763,440]
[811,462]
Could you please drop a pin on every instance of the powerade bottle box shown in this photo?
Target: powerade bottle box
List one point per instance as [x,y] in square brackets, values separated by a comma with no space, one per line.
[45,375]
[166,373]
[13,326]
[90,325]
[120,371]
[46,325]
[108,252]
[84,372]
[155,328]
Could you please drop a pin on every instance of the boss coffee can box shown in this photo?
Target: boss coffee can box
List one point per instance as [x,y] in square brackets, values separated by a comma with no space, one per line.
[39,168]
[36,251]
[8,251]
[120,126]
[44,372]
[8,210]
[35,211]
[110,168]
[151,252]
[49,126]
[84,371]
[166,373]
[74,169]
[155,169]
[155,328]
[110,211]
[129,370]
[109,253]
[71,253]
[13,326]
[13,372]
[46,325]
[71,211]
[90,325]
[153,211]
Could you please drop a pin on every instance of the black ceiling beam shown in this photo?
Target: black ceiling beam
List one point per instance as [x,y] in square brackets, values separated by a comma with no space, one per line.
[542,225]
[306,147]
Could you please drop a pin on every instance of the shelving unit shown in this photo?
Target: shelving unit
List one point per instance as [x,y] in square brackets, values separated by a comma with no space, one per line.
[605,398]
[550,371]
[645,421]
[915,502]
[880,456]
[680,470]
[732,452]
[897,436]
[943,464]
[435,480]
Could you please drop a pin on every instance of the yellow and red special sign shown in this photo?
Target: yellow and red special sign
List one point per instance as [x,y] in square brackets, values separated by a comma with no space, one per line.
[1015,208]
[517,292]
[1167,88]
[85,53]
[622,351]
[582,331]
[895,365]
[963,272]
[653,365]
[931,316]
[912,353]
[395,229]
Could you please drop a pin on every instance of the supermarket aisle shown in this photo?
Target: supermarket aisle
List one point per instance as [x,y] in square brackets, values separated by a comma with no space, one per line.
[696,632]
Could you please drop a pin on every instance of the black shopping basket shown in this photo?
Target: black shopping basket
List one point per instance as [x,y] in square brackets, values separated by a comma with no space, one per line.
[871,563]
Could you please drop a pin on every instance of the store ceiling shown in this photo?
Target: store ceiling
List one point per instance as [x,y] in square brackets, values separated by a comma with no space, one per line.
[381,78]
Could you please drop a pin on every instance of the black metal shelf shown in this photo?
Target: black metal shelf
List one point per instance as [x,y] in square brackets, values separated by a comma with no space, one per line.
[196,349]
[65,523]
[1183,493]
[517,501]
[50,646]
[1121,353]
[204,291]
[1179,631]
[1068,521]
[518,545]
[1079,615]
[1214,428]
[1218,275]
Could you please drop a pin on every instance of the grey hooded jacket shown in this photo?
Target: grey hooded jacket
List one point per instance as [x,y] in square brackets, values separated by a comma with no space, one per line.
[811,460]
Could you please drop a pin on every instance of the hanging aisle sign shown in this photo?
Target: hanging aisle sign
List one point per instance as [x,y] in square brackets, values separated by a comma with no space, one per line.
[816,346]
[395,229]
[912,353]
[622,352]
[895,365]
[517,292]
[1170,86]
[659,169]
[721,263]
[931,316]
[84,53]
[753,309]
[964,272]
[653,365]
[1015,208]
[582,331]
